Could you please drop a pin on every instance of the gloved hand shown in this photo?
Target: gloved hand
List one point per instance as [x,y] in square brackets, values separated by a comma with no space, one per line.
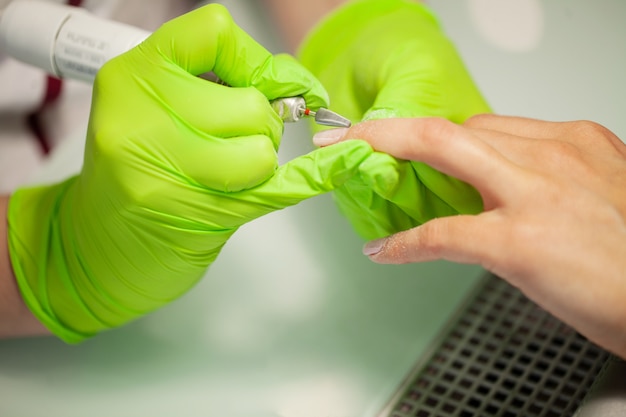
[390,58]
[173,166]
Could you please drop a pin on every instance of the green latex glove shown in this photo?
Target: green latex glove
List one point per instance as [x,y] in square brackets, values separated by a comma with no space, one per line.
[390,58]
[173,166]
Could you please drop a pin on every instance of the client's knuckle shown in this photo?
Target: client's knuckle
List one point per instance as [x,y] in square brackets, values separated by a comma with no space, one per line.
[478,120]
[433,131]
[588,128]
[592,133]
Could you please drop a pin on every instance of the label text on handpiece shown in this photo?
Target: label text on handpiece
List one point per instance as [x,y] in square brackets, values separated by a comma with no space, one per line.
[84,40]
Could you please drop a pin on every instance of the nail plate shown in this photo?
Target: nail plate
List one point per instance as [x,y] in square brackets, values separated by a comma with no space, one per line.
[373,247]
[328,137]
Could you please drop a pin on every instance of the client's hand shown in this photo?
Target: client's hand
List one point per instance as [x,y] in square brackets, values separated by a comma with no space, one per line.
[391,58]
[554,223]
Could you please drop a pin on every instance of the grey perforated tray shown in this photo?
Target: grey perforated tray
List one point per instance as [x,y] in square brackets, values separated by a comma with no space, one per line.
[506,357]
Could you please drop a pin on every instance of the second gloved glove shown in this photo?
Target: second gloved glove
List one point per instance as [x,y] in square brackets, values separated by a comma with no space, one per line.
[390,58]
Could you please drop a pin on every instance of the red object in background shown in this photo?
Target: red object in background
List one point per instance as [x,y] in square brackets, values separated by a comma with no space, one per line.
[54,87]
[33,120]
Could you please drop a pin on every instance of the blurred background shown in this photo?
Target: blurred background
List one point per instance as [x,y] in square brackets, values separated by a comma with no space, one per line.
[291,320]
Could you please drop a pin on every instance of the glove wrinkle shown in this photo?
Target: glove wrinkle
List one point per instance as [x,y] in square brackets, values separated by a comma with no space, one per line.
[173,166]
[391,59]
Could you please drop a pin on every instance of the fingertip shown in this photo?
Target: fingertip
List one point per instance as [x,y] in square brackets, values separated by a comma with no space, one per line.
[374,247]
[387,250]
[329,136]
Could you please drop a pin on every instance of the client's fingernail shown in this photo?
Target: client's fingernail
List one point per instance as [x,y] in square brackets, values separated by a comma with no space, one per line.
[373,247]
[330,136]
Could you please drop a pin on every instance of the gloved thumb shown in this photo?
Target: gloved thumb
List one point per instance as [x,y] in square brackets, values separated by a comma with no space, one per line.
[309,175]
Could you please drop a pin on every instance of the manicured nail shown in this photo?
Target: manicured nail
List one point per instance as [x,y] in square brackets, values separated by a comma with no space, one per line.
[328,137]
[373,247]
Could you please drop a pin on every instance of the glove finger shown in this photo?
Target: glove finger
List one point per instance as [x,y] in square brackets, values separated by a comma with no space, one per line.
[208,40]
[230,154]
[226,165]
[371,215]
[214,109]
[458,195]
[396,182]
[307,176]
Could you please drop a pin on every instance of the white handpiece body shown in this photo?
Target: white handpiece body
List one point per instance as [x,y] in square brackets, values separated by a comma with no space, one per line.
[65,41]
[70,42]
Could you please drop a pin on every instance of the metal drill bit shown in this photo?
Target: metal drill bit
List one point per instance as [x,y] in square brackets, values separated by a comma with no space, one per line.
[328,118]
[292,109]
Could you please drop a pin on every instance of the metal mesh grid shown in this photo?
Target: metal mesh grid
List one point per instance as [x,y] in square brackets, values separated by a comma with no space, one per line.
[504,357]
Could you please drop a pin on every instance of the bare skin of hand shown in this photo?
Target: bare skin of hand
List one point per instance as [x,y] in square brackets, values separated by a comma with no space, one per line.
[555,209]
[16,320]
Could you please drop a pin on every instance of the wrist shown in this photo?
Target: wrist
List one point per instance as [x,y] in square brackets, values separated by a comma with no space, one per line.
[16,320]
[36,250]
